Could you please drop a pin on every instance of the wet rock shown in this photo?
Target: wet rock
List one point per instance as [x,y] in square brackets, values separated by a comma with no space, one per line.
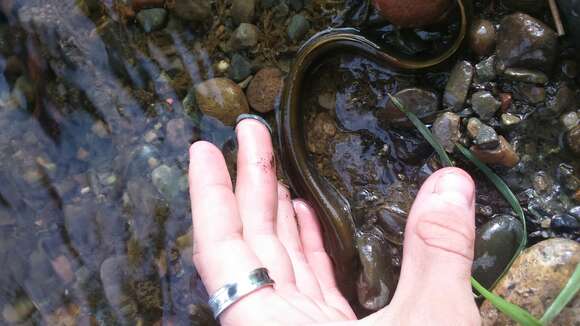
[530,93]
[327,100]
[446,130]
[525,42]
[152,19]
[508,120]
[376,284]
[166,180]
[222,99]
[534,281]
[485,104]
[298,27]
[570,120]
[482,37]
[192,10]
[506,100]
[574,140]
[483,135]
[496,243]
[240,68]
[564,99]
[115,284]
[18,311]
[265,90]
[570,69]
[412,13]
[526,75]
[458,85]
[565,223]
[542,182]
[243,11]
[179,132]
[485,70]
[245,36]
[423,103]
[504,154]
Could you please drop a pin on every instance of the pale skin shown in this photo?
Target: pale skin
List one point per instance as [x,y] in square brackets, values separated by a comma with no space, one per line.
[257,224]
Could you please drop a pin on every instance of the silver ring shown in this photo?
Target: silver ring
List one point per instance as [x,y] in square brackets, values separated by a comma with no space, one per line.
[233,292]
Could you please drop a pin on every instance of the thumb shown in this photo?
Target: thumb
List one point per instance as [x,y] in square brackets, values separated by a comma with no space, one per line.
[434,286]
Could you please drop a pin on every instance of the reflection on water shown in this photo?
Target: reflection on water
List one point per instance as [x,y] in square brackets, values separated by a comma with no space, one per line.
[94,211]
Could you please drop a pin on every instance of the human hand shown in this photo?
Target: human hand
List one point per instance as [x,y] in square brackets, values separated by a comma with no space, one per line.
[259,225]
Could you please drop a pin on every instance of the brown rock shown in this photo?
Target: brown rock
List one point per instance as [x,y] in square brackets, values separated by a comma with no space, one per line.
[412,13]
[535,279]
[504,154]
[265,90]
[222,99]
[506,101]
[482,37]
[446,130]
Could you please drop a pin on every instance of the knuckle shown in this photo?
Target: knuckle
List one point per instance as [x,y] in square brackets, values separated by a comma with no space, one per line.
[447,232]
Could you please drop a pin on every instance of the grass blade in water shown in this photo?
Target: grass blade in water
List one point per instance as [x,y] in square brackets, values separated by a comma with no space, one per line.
[511,310]
[567,294]
[443,157]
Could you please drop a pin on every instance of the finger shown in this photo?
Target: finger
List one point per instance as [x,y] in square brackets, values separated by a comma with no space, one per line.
[257,197]
[438,248]
[318,259]
[220,253]
[287,230]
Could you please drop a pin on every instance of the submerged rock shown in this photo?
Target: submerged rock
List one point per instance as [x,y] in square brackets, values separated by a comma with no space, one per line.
[535,279]
[152,19]
[240,68]
[496,243]
[525,42]
[298,27]
[18,311]
[243,11]
[412,13]
[486,70]
[446,130]
[458,86]
[222,99]
[265,90]
[482,37]
[192,10]
[376,284]
[423,103]
[245,36]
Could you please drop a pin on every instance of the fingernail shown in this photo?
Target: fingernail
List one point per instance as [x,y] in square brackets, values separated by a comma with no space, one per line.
[457,186]
[258,118]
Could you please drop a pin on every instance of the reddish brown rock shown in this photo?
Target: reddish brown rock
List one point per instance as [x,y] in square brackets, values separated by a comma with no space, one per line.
[265,90]
[504,154]
[412,13]
[482,37]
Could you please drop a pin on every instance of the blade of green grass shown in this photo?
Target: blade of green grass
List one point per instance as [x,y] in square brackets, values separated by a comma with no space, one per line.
[502,187]
[567,294]
[513,311]
[443,157]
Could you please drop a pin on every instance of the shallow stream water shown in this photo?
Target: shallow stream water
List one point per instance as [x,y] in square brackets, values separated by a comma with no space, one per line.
[95,123]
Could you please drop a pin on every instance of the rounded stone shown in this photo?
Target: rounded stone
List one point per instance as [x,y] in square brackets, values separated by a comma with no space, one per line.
[412,13]
[423,103]
[265,90]
[245,36]
[504,154]
[222,99]
[482,37]
[298,27]
[243,11]
[535,280]
[496,243]
[192,10]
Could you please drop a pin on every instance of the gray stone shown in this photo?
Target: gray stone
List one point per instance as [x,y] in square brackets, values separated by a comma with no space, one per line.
[192,10]
[525,42]
[281,11]
[486,137]
[530,93]
[152,19]
[508,120]
[564,100]
[485,104]
[458,86]
[298,27]
[245,36]
[240,68]
[243,11]
[166,180]
[570,120]
[446,130]
[526,75]
[486,70]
